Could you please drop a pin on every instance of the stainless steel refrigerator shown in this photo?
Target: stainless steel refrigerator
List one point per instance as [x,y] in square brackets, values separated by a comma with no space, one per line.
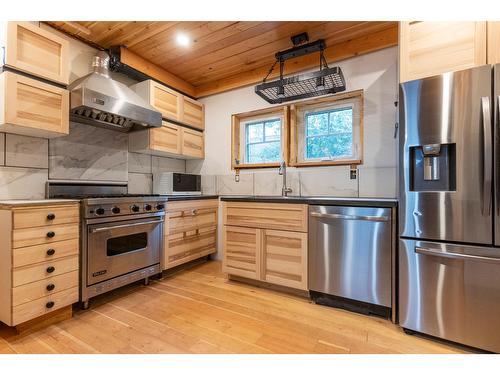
[449,248]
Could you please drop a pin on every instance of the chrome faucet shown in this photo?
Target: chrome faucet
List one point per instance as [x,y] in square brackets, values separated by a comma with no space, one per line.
[282,171]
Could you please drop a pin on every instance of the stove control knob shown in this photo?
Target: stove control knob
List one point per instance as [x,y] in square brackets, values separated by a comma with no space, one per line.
[147,207]
[99,211]
[160,206]
[115,210]
[134,208]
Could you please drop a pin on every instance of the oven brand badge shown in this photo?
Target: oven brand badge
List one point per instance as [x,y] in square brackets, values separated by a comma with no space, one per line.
[99,273]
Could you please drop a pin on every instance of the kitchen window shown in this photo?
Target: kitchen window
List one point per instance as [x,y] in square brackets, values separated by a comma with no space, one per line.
[259,138]
[327,131]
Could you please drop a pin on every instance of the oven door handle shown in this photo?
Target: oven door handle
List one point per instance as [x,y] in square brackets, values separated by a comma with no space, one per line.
[101,229]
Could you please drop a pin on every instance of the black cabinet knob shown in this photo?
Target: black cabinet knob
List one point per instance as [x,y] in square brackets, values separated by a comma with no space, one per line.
[50,269]
[51,252]
[51,216]
[51,287]
[49,304]
[51,234]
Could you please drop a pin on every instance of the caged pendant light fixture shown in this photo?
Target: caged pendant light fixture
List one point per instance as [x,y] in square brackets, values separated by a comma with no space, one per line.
[322,82]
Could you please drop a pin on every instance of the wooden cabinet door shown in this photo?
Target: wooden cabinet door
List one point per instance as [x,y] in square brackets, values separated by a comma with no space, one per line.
[165,100]
[37,51]
[193,113]
[33,108]
[284,258]
[431,48]
[493,42]
[186,246]
[166,139]
[242,251]
[193,144]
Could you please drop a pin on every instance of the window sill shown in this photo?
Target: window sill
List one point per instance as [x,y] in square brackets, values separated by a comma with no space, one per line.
[257,165]
[325,163]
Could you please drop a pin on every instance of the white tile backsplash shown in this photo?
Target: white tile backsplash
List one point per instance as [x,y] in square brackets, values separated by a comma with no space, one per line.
[270,183]
[22,183]
[377,182]
[139,163]
[226,185]
[332,181]
[209,185]
[161,164]
[140,183]
[22,151]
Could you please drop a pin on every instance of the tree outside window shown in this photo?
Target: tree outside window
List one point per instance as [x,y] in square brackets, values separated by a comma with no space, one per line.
[263,141]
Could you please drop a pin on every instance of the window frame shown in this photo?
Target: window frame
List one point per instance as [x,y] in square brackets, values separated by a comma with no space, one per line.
[297,126]
[246,118]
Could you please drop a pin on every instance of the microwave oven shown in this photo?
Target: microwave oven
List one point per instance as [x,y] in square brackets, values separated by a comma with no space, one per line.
[173,183]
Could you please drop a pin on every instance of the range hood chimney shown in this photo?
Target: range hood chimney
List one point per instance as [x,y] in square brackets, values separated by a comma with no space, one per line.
[98,100]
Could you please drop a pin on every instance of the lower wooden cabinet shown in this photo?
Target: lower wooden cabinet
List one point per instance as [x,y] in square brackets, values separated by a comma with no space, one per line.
[39,265]
[169,140]
[190,231]
[31,107]
[277,257]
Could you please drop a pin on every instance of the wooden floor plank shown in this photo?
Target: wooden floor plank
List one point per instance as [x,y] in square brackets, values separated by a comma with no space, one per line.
[198,310]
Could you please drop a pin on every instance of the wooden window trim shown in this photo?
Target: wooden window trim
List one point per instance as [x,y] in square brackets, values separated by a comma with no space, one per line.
[294,131]
[236,119]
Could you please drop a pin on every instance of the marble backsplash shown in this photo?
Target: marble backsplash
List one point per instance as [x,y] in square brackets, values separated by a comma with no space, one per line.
[88,153]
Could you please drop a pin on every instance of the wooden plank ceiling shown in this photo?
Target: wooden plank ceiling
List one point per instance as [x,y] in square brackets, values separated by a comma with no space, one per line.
[225,55]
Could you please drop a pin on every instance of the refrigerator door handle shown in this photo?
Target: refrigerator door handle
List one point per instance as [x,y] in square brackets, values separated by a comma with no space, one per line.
[445,254]
[487,155]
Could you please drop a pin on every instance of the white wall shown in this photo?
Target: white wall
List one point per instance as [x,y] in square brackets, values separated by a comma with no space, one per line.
[376,74]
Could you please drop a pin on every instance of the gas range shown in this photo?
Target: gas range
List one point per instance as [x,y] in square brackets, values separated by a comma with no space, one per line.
[121,234]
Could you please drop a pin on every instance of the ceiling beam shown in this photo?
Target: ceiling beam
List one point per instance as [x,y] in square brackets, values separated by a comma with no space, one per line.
[154,71]
[335,52]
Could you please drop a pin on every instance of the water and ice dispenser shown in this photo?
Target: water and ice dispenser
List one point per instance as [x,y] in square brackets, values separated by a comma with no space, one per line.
[433,167]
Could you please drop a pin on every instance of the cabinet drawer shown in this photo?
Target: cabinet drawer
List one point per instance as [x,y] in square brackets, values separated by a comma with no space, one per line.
[193,113]
[183,247]
[191,219]
[45,216]
[33,309]
[38,289]
[193,144]
[43,235]
[24,256]
[284,216]
[40,271]
[166,139]
[32,107]
[40,52]
[285,258]
[242,254]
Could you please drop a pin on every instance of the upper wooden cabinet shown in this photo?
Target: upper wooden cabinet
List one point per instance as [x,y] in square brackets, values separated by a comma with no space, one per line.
[431,48]
[36,51]
[31,107]
[169,140]
[172,104]
[493,39]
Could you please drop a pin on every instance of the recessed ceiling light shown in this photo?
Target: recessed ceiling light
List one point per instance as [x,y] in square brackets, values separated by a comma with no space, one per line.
[182,40]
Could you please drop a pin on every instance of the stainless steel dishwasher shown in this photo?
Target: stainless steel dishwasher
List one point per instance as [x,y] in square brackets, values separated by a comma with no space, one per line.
[351,256]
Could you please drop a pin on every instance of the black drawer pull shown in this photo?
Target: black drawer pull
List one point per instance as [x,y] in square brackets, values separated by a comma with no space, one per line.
[51,216]
[51,287]
[50,269]
[49,304]
[51,234]
[51,252]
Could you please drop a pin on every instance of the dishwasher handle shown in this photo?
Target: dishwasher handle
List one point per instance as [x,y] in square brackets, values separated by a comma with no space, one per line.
[350,217]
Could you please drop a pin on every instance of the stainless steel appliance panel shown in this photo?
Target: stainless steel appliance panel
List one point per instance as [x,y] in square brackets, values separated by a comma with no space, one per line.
[452,112]
[350,252]
[450,291]
[116,248]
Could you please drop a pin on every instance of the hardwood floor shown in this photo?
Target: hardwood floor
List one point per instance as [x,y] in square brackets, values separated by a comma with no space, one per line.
[199,311]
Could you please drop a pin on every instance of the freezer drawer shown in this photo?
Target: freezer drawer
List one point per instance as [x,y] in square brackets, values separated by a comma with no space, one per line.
[451,292]
[350,252]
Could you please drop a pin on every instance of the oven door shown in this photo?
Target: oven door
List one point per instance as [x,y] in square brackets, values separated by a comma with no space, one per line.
[120,247]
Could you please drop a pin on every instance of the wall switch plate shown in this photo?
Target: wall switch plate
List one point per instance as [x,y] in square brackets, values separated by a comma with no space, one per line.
[353,173]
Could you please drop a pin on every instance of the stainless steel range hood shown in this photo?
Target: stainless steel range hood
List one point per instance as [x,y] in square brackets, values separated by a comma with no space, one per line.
[98,100]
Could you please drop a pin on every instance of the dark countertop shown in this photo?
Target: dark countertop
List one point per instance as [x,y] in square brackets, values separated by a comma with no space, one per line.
[173,198]
[338,201]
